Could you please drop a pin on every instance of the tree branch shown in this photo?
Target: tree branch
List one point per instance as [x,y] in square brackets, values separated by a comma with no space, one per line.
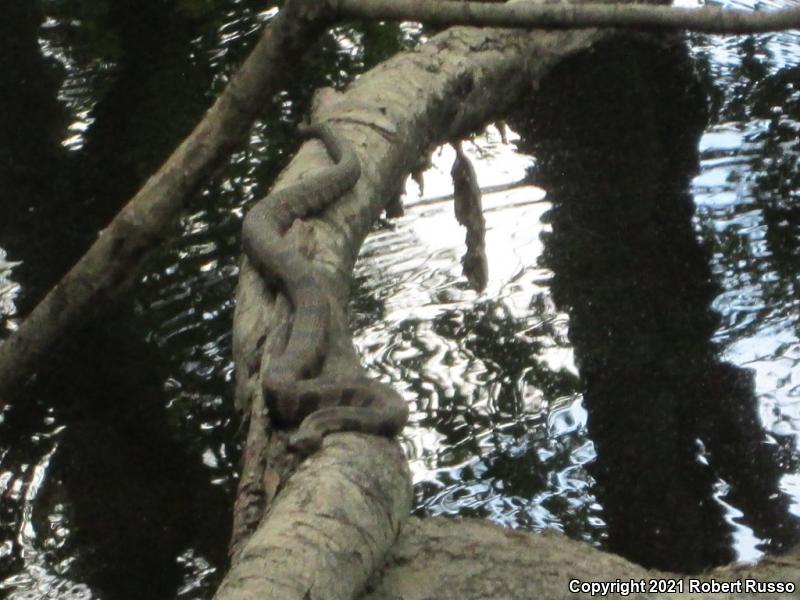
[113,261]
[470,559]
[572,16]
[448,87]
[330,528]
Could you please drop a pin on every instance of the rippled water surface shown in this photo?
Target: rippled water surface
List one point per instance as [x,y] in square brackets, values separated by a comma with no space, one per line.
[498,429]
[633,366]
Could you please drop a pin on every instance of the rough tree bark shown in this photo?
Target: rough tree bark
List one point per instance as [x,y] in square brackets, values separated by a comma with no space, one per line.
[331,526]
[475,560]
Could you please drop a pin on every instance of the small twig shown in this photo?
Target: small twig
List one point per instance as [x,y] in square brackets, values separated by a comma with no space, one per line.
[489,189]
[572,16]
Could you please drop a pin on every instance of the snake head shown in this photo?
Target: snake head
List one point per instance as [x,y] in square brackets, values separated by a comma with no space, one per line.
[305,443]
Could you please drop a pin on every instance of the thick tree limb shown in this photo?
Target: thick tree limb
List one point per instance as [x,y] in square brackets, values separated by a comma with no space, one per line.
[469,559]
[331,526]
[113,260]
[572,16]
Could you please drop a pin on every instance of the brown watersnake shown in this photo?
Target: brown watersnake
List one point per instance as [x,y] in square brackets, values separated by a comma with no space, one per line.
[309,382]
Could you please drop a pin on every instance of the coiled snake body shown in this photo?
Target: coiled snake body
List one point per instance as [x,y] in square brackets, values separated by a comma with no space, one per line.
[307,384]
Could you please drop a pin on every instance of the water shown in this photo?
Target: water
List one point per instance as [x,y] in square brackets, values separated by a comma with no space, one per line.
[119,464]
[498,429]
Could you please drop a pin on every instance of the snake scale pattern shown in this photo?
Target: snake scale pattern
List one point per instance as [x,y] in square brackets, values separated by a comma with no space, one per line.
[308,384]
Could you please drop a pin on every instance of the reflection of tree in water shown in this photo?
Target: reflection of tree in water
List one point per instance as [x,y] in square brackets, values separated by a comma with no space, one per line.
[134,494]
[31,125]
[514,441]
[509,350]
[512,349]
[777,182]
[764,98]
[756,234]
[616,148]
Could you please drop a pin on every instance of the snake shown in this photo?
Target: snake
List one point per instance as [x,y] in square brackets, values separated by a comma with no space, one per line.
[309,384]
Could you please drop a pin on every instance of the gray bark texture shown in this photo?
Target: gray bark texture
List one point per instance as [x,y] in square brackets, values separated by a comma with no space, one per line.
[475,560]
[330,527]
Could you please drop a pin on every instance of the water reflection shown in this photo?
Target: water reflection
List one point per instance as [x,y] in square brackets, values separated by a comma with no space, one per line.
[9,290]
[668,418]
[128,424]
[498,429]
[755,236]
[106,498]
[112,468]
[747,215]
[699,464]
[31,158]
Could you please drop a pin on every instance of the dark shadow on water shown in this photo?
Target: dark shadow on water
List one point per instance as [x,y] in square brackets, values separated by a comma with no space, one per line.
[138,496]
[32,122]
[616,135]
[124,478]
[54,201]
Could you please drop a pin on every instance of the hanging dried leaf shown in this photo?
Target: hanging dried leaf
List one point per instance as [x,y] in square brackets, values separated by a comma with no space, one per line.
[469,213]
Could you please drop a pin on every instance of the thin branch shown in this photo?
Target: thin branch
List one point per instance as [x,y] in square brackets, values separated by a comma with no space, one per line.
[572,16]
[485,191]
